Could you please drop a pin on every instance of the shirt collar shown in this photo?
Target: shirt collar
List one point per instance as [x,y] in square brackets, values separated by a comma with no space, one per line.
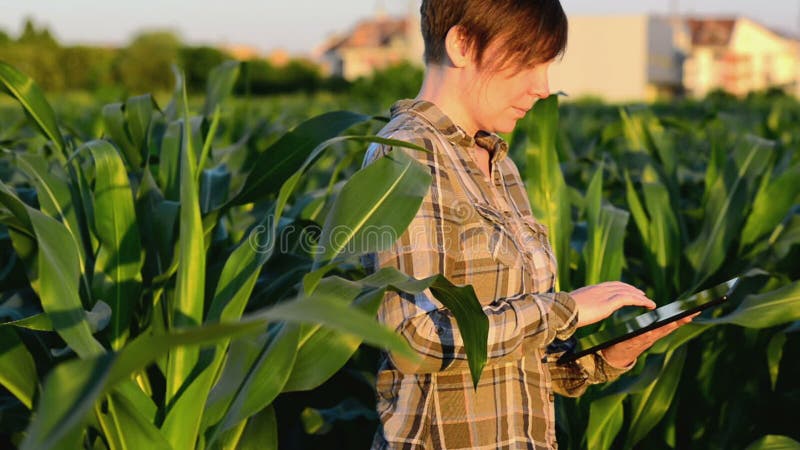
[496,145]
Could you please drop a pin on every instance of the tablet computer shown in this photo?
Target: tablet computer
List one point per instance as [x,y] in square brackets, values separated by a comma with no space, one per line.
[643,323]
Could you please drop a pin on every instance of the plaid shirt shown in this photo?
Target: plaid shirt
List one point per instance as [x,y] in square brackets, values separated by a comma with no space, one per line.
[475,230]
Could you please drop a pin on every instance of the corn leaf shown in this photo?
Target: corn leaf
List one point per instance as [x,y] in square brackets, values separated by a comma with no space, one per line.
[774,355]
[286,156]
[765,310]
[58,275]
[724,207]
[774,442]
[649,406]
[69,393]
[770,205]
[605,421]
[17,370]
[547,189]
[55,200]
[33,102]
[117,273]
[220,83]
[189,298]
[261,432]
[606,227]
[375,205]
[131,427]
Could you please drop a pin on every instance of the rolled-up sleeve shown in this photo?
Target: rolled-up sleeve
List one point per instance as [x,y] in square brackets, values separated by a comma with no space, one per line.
[572,379]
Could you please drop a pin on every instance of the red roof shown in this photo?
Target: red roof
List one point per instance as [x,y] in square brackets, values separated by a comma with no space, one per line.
[371,33]
[711,32]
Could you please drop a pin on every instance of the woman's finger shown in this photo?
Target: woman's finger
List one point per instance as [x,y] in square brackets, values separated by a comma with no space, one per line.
[628,299]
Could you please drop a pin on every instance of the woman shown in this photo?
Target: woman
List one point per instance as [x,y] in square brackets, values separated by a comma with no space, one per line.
[486,65]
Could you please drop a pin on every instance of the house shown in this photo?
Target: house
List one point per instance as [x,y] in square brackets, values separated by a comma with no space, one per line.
[241,52]
[620,59]
[372,45]
[739,55]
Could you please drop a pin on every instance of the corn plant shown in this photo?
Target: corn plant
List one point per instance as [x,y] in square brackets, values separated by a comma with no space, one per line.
[695,221]
[156,291]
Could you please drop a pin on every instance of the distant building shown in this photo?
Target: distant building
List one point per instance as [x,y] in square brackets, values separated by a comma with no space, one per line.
[241,52]
[373,45]
[279,57]
[739,55]
[620,59]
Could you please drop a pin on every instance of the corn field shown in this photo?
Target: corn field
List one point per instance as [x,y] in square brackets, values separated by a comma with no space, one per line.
[187,275]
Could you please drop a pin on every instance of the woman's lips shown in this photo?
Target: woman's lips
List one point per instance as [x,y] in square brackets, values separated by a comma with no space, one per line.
[520,112]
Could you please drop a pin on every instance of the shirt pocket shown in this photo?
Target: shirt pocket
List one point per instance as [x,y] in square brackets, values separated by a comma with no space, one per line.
[499,239]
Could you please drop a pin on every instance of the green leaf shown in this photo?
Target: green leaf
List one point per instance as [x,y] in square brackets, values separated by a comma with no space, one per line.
[663,235]
[17,369]
[725,205]
[765,310]
[73,387]
[644,132]
[133,429]
[606,225]
[69,393]
[241,270]
[214,184]
[287,155]
[58,275]
[169,165]
[547,189]
[770,205]
[117,273]
[774,442]
[327,310]
[55,200]
[261,432]
[255,383]
[157,218]
[116,128]
[220,83]
[98,318]
[635,384]
[605,421]
[374,207]
[679,337]
[323,351]
[650,406]
[189,301]
[33,102]
[140,111]
[460,300]
[774,354]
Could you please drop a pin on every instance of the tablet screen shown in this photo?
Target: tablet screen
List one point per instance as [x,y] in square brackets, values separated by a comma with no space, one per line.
[660,316]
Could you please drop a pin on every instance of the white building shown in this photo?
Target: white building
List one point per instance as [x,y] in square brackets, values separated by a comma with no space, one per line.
[739,55]
[620,58]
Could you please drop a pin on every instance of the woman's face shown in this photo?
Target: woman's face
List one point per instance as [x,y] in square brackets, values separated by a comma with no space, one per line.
[497,99]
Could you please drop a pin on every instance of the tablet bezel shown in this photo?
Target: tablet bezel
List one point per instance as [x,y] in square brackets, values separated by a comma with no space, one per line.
[570,356]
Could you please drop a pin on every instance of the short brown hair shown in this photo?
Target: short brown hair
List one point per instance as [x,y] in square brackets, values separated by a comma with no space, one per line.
[533,31]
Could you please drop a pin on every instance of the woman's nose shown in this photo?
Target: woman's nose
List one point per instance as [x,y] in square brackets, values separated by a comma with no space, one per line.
[539,86]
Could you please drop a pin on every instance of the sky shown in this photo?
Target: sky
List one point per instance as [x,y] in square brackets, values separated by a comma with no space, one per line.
[298,26]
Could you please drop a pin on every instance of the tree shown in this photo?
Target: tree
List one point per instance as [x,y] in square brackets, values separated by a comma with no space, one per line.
[144,65]
[197,62]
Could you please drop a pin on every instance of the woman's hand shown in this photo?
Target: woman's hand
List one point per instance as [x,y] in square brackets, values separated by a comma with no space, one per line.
[598,301]
[625,353]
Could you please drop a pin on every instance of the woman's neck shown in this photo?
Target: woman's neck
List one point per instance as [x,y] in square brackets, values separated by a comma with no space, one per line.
[441,87]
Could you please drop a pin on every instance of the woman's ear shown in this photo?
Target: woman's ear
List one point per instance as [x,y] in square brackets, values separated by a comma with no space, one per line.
[455,43]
